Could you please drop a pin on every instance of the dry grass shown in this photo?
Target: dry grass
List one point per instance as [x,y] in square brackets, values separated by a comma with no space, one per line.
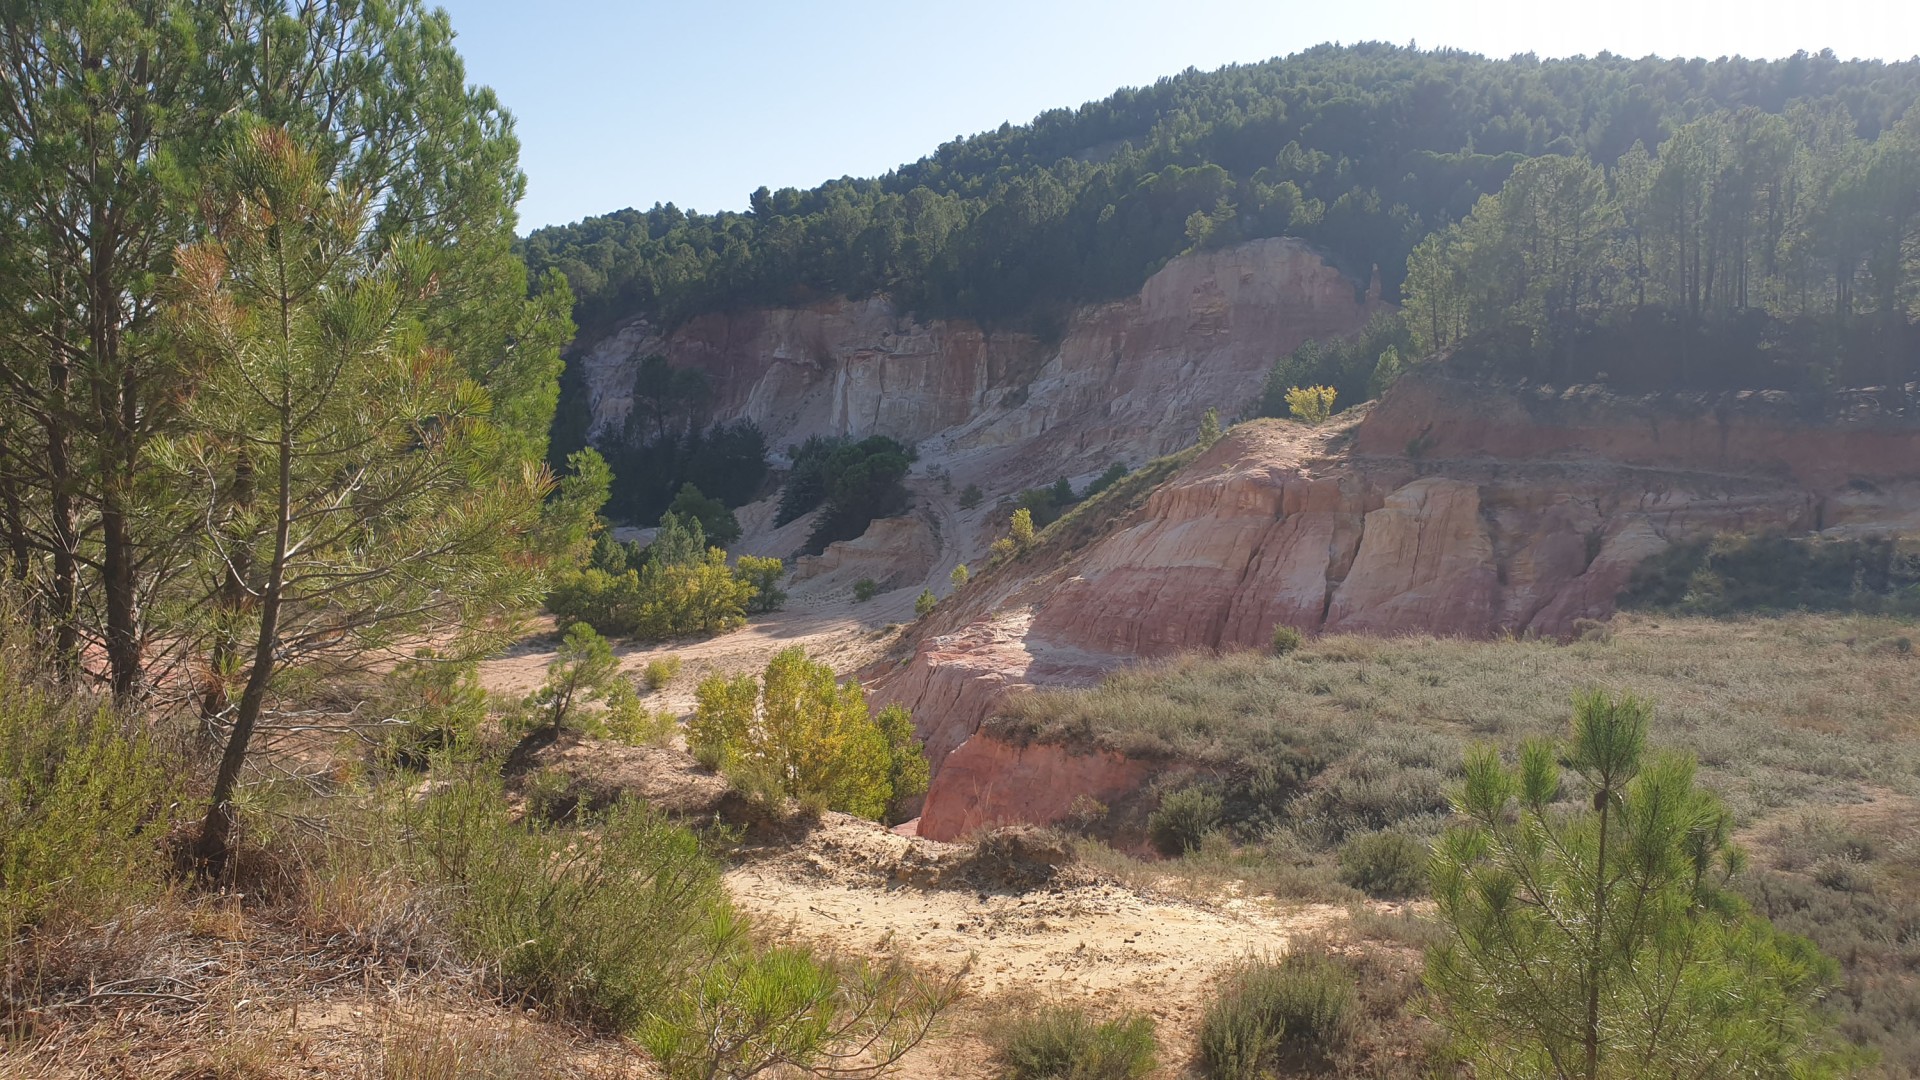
[1807,724]
[1781,711]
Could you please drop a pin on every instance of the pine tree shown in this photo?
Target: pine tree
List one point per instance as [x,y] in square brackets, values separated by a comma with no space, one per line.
[1596,937]
[380,515]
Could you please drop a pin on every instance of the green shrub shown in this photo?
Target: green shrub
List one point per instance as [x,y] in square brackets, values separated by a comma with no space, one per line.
[82,798]
[1183,819]
[583,674]
[1063,1042]
[1310,404]
[432,706]
[812,734]
[660,671]
[1267,1014]
[1021,528]
[971,496]
[1732,573]
[683,587]
[865,589]
[600,932]
[1115,473]
[924,604]
[1385,865]
[959,577]
[1210,428]
[763,577]
[791,1011]
[1286,639]
[716,521]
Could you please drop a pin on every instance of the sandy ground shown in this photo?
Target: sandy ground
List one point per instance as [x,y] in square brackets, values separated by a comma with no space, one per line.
[1081,938]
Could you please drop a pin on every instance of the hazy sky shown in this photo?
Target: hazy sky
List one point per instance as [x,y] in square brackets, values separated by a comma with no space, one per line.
[698,103]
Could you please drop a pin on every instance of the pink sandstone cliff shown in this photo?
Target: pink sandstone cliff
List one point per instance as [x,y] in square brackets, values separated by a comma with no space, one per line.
[1516,512]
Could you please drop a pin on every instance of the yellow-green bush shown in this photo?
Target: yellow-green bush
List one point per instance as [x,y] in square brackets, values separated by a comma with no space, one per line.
[661,670]
[808,734]
[1311,404]
[82,792]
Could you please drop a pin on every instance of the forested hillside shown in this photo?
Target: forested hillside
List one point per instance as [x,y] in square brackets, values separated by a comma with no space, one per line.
[1365,150]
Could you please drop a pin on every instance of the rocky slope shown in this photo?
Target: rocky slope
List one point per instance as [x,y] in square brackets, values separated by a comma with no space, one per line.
[1127,380]
[1447,508]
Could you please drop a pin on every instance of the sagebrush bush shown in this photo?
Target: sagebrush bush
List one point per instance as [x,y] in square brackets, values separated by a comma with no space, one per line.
[1267,1013]
[1065,1042]
[1385,865]
[865,589]
[924,604]
[1183,819]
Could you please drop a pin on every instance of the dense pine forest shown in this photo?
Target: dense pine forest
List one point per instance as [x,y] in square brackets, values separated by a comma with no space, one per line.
[1364,150]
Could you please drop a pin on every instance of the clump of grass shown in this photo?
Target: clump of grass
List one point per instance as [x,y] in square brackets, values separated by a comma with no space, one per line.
[1066,1042]
[660,671]
[1385,865]
[1272,1015]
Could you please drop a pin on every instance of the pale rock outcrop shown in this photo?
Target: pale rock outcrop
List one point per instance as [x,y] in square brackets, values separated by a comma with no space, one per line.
[892,552]
[1127,380]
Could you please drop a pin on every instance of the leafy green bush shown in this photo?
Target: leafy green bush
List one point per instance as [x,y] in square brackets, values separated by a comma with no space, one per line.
[1183,819]
[1615,917]
[763,576]
[1351,368]
[583,674]
[82,798]
[1269,1013]
[960,576]
[683,587]
[853,482]
[1385,865]
[970,496]
[1115,473]
[718,522]
[924,604]
[810,734]
[865,589]
[792,1011]
[1064,1042]
[1286,639]
[1310,404]
[626,926]
[1020,530]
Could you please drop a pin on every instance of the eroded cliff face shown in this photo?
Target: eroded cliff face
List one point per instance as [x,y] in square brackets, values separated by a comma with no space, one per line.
[1127,380]
[1447,509]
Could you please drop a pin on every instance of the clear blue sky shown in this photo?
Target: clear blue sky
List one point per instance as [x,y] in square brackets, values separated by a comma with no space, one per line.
[698,103]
